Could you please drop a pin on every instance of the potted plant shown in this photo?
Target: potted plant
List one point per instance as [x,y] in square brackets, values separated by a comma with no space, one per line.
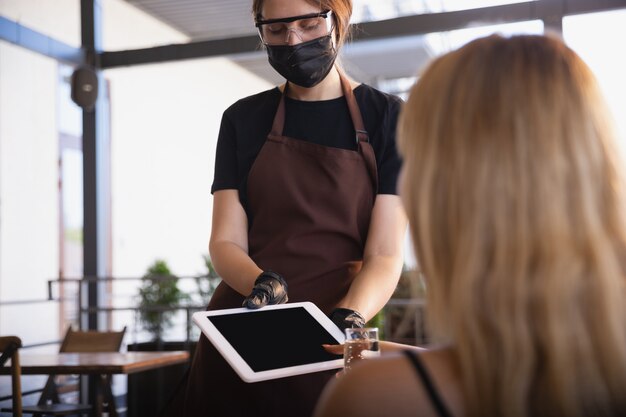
[149,391]
[159,290]
[158,296]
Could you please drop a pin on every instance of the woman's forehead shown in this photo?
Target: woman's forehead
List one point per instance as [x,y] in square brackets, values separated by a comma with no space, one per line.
[278,9]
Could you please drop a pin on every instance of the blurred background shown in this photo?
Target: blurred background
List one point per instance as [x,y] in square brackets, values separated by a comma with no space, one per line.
[100,209]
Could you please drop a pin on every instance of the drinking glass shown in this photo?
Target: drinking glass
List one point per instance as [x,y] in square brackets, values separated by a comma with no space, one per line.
[361,343]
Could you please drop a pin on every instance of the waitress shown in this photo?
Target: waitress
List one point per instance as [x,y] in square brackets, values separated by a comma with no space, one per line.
[305,205]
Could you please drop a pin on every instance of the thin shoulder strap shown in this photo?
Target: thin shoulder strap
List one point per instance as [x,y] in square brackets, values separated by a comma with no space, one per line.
[435,398]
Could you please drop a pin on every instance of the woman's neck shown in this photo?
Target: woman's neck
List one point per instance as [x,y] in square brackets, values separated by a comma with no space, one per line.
[327,89]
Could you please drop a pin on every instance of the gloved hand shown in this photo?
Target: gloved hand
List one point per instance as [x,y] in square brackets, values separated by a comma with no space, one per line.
[269,288]
[344,318]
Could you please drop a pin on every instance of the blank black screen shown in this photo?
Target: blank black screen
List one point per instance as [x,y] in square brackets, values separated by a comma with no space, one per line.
[273,339]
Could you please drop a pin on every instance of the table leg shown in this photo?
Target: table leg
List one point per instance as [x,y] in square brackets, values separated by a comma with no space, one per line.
[95,395]
[108,396]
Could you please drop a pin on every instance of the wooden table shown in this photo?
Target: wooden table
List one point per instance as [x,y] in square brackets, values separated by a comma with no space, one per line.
[96,364]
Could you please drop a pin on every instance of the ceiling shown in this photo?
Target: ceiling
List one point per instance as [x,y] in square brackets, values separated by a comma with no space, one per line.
[202,19]
[367,61]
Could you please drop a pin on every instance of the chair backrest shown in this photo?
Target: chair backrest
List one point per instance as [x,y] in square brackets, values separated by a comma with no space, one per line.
[76,341]
[9,346]
[91,341]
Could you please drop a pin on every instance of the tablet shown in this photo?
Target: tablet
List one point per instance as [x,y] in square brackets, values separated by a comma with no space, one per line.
[272,342]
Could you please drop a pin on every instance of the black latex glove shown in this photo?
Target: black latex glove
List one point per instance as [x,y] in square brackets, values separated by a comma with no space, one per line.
[269,288]
[344,318]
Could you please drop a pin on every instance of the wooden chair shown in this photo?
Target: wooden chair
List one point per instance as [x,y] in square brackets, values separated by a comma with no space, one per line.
[9,346]
[49,403]
[80,342]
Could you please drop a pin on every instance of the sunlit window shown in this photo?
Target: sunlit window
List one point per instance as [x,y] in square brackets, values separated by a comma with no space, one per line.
[598,38]
[442,42]
[372,10]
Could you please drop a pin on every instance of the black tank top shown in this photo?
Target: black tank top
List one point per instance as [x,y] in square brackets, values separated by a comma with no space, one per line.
[435,398]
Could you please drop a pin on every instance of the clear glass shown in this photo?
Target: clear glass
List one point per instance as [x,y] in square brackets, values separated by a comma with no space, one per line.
[598,39]
[277,33]
[361,343]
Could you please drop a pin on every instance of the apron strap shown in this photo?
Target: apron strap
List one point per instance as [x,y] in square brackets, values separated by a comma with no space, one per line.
[355,113]
[362,137]
[279,118]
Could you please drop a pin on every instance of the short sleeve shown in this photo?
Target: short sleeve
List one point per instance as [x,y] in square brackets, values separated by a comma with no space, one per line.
[226,173]
[389,163]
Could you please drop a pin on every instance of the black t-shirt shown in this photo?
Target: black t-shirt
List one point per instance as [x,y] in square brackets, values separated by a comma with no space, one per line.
[246,124]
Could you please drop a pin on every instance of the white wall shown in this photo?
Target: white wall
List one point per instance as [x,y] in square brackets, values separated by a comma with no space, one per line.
[164,124]
[28,191]
[165,121]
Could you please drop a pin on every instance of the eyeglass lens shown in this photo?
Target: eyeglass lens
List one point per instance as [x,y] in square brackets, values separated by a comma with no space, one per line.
[305,29]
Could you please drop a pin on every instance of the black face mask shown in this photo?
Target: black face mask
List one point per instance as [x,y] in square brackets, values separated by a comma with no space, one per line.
[304,64]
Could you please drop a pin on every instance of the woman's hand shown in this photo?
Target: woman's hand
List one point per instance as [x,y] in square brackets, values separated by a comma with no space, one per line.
[334,349]
[269,288]
[345,318]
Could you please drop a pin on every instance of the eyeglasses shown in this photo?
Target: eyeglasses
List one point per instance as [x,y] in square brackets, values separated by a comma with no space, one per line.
[307,27]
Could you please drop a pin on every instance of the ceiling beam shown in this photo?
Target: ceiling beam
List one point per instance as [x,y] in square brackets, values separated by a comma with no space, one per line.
[198,49]
[549,11]
[32,40]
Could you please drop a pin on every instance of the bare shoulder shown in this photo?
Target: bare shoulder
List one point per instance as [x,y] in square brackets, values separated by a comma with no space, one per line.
[368,390]
[385,386]
[444,372]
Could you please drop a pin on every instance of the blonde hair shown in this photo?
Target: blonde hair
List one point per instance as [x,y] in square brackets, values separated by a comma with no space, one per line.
[342,10]
[515,202]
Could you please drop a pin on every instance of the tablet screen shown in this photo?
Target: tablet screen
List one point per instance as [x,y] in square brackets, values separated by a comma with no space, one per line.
[272,339]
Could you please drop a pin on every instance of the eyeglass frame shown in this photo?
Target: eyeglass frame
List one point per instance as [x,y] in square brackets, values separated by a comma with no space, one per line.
[326,14]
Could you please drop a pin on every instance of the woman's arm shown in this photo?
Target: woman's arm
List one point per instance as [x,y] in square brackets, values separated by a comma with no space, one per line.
[385,348]
[382,260]
[228,245]
[393,347]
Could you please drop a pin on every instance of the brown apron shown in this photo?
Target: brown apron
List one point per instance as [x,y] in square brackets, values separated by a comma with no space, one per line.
[311,207]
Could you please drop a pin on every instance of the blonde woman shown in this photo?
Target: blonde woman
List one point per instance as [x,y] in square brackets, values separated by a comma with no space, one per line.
[513,190]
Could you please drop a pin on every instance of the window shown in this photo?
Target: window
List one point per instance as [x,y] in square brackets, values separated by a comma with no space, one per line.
[372,10]
[598,38]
